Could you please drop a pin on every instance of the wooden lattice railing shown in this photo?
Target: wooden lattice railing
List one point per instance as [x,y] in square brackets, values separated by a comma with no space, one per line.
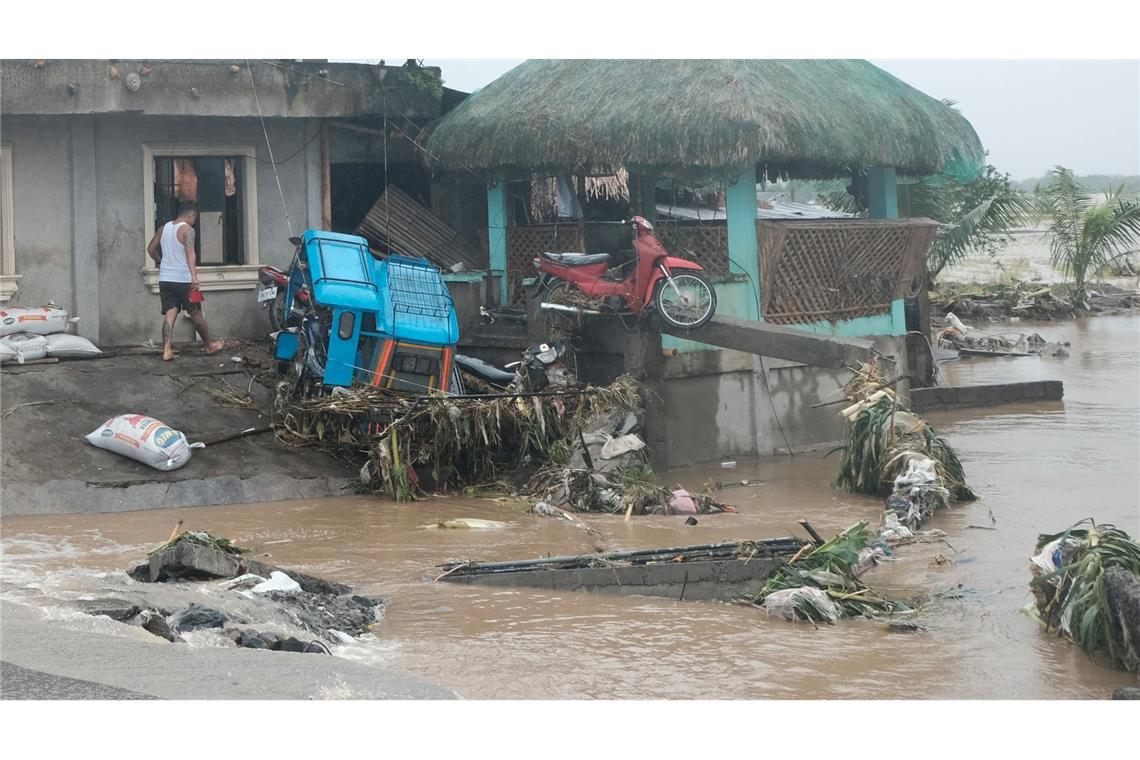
[703,242]
[525,243]
[827,270]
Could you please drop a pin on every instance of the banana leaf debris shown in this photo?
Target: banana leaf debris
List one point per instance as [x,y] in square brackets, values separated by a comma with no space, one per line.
[822,584]
[574,448]
[1086,588]
[892,452]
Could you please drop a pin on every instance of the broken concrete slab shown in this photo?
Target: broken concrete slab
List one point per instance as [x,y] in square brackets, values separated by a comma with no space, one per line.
[960,397]
[114,608]
[780,342]
[186,560]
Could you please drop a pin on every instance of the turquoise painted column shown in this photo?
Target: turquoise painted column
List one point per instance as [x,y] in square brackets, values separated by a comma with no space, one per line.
[743,252]
[882,194]
[497,233]
[883,203]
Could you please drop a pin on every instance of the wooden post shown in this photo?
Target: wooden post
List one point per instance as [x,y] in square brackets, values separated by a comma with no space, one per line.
[326,179]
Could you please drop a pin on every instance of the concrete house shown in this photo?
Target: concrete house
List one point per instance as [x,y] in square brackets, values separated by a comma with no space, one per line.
[95,154]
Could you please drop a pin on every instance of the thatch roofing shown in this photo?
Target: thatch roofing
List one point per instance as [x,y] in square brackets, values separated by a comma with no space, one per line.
[798,118]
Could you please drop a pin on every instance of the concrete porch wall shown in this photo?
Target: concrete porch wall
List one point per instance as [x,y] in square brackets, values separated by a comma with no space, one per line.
[717,405]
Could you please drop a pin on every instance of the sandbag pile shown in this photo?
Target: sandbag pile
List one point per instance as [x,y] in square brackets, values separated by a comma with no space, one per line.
[29,333]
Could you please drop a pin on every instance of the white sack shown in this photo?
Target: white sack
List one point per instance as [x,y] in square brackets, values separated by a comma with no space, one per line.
[25,347]
[70,346]
[38,320]
[143,439]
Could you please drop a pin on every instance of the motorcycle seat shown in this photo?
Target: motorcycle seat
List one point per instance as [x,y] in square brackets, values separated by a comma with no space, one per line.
[576,259]
[482,369]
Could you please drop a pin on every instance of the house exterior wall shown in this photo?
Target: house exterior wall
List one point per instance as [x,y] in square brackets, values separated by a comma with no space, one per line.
[41,208]
[63,197]
[130,312]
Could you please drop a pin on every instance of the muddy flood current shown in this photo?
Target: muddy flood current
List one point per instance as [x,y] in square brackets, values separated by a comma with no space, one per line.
[1038,468]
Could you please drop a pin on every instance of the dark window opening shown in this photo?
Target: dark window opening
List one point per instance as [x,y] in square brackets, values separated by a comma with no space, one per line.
[413,364]
[216,184]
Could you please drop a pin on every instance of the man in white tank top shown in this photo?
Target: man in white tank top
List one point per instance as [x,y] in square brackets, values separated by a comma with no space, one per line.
[172,248]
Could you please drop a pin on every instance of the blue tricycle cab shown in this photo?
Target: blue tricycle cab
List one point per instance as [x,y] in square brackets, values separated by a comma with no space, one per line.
[387,322]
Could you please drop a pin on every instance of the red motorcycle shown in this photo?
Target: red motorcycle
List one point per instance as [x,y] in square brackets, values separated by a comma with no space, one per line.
[675,288]
[276,294]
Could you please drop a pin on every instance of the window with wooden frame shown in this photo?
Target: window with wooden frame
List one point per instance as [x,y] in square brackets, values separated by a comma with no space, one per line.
[8,276]
[222,181]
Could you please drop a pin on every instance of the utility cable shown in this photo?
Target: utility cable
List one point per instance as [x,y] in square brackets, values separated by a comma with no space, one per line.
[269,145]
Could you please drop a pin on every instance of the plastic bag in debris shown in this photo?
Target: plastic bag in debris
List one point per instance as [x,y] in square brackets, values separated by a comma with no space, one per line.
[70,346]
[680,503]
[7,353]
[1052,555]
[892,528]
[869,556]
[278,581]
[919,471]
[143,439]
[788,602]
[615,447]
[38,320]
[24,347]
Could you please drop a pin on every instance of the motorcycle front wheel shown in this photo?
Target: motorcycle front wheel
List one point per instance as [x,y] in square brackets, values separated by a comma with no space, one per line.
[688,303]
[277,316]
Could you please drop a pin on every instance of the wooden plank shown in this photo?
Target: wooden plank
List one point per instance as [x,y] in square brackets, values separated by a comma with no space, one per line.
[779,342]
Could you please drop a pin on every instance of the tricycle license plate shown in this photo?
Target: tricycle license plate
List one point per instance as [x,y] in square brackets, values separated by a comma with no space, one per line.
[267,294]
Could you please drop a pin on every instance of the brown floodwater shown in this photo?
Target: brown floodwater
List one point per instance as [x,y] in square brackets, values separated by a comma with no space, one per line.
[1038,467]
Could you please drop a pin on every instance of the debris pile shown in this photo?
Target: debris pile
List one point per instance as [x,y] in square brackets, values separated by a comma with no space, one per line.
[1029,300]
[247,587]
[409,444]
[956,335]
[821,583]
[1086,588]
[575,448]
[892,452]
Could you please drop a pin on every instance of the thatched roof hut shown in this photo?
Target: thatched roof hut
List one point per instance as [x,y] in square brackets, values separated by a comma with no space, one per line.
[792,118]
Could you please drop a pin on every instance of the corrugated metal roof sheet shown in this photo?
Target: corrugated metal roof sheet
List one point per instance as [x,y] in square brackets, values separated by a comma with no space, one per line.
[778,210]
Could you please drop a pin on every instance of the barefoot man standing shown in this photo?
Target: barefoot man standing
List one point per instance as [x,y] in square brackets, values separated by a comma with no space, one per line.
[172,248]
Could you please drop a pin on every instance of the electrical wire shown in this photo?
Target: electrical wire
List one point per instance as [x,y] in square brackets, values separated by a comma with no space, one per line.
[292,155]
[269,145]
[301,73]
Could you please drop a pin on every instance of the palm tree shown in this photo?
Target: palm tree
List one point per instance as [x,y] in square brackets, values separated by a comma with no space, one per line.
[1084,237]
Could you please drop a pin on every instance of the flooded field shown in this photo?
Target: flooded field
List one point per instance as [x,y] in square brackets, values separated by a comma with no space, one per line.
[1039,468]
[1025,257]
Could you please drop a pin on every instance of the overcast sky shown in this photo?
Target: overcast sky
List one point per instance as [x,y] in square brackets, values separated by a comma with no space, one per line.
[1030,115]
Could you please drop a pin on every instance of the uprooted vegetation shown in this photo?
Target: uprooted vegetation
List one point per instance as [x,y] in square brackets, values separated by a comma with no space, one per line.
[890,451]
[559,445]
[1086,588]
[821,584]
